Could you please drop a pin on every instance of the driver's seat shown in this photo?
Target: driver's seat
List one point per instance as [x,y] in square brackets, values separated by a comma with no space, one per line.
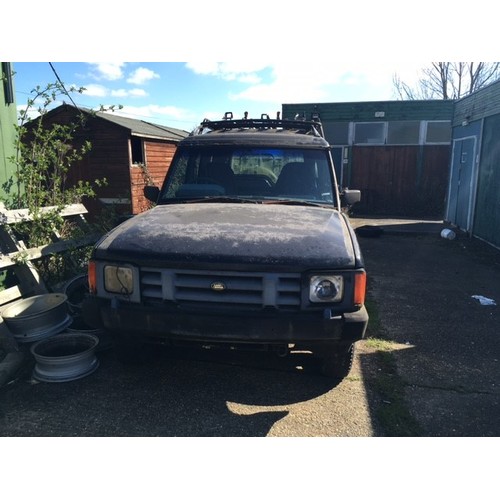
[297,178]
[222,174]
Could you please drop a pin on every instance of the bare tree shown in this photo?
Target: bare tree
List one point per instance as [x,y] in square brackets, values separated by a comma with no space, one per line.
[448,80]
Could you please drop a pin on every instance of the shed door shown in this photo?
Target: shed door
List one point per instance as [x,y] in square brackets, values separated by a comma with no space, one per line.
[462,168]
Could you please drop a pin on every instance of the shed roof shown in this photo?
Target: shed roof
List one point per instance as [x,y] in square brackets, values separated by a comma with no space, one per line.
[136,127]
[143,128]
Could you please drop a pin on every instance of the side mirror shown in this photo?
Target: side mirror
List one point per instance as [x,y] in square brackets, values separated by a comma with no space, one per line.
[351,196]
[151,193]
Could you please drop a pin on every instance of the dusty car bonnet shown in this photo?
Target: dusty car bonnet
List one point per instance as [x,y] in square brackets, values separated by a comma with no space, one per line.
[253,234]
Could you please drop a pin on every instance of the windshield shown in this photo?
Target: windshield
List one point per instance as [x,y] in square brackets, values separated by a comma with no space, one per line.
[250,174]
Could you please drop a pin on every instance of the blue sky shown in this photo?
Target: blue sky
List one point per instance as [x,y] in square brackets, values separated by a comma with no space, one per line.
[181,94]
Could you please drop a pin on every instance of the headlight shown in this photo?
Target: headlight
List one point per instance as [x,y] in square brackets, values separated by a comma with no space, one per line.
[326,288]
[118,280]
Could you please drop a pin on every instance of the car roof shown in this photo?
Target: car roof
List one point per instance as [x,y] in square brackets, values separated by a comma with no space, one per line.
[255,138]
[258,132]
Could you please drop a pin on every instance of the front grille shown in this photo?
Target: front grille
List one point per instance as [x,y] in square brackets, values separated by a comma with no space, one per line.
[244,290]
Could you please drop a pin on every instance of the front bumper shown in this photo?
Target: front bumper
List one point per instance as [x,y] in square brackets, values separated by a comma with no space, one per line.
[270,327]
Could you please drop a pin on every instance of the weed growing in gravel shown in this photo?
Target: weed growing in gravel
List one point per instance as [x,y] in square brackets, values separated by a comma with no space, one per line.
[393,414]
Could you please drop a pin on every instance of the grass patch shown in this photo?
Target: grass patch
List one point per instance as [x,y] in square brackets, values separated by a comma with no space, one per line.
[380,344]
[393,413]
[374,324]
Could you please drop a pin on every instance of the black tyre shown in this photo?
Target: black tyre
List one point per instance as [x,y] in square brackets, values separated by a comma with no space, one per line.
[336,363]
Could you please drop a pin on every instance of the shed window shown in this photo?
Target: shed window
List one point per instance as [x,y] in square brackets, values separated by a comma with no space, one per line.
[369,133]
[337,133]
[137,150]
[438,132]
[404,132]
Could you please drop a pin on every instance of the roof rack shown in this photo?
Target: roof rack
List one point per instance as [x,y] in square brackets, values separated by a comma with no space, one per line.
[312,126]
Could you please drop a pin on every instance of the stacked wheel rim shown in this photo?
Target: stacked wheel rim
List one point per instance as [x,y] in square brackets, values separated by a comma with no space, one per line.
[65,357]
[38,317]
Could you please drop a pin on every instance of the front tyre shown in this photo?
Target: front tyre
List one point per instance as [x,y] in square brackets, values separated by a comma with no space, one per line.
[336,362]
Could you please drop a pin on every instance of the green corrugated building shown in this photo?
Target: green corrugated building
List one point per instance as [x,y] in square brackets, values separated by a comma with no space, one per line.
[396,152]
[8,118]
[474,189]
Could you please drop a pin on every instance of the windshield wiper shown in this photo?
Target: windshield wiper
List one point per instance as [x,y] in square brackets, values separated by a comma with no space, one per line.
[211,199]
[234,199]
[296,202]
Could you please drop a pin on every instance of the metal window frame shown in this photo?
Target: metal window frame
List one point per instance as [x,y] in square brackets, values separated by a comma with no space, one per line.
[353,136]
[425,129]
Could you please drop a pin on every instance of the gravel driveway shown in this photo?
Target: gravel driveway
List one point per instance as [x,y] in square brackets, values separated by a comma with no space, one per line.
[191,393]
[445,346]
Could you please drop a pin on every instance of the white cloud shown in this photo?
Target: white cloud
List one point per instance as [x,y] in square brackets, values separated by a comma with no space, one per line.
[119,93]
[128,93]
[108,71]
[245,72]
[137,93]
[322,81]
[95,90]
[294,82]
[142,75]
[156,113]
[251,78]
[203,68]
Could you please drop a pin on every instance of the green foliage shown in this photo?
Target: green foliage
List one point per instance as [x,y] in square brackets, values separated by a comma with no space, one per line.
[44,156]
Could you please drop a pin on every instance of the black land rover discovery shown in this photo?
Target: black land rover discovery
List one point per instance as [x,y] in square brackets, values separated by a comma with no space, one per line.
[246,246]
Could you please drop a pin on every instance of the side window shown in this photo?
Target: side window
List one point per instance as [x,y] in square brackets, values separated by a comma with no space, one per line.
[403,132]
[306,176]
[438,132]
[178,174]
[369,133]
[137,150]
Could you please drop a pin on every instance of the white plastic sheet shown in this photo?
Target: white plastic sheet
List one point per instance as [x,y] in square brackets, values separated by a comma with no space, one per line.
[484,301]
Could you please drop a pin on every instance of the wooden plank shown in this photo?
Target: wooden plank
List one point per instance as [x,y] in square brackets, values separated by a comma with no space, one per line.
[30,254]
[21,215]
[27,274]
[10,294]
[29,279]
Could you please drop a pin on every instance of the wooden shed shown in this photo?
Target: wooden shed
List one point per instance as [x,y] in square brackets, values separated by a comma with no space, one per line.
[395,152]
[129,153]
[474,195]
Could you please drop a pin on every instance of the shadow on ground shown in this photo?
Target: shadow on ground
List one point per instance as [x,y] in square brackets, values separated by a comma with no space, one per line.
[423,288]
[179,392]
